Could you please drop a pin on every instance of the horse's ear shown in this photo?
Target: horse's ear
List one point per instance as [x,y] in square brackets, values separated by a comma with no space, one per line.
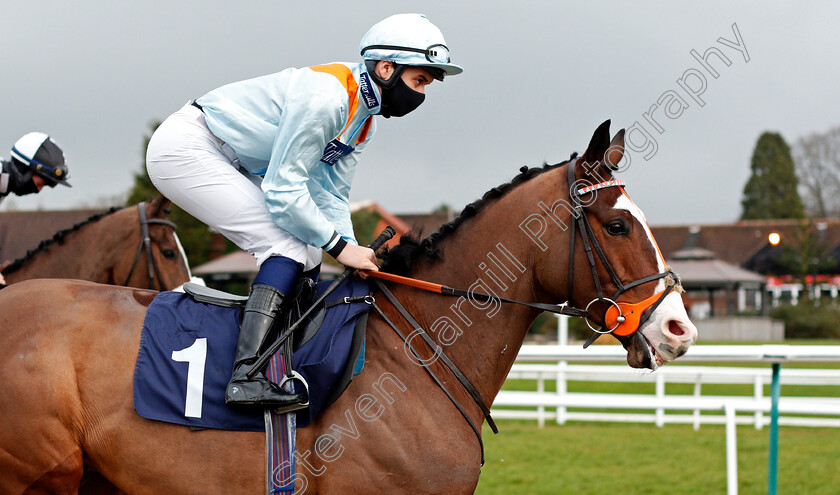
[598,144]
[157,207]
[615,152]
[603,155]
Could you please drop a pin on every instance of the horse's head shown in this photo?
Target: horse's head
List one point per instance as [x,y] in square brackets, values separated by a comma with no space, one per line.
[617,273]
[160,263]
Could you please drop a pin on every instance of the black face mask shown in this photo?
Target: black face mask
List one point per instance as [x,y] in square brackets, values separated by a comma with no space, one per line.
[399,99]
[20,178]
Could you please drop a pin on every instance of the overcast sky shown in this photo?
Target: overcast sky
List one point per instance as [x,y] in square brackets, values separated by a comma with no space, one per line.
[539,77]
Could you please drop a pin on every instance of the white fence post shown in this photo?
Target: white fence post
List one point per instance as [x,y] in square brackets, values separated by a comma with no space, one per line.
[562,339]
[731,451]
[660,394]
[758,388]
[561,391]
[563,329]
[697,386]
[540,409]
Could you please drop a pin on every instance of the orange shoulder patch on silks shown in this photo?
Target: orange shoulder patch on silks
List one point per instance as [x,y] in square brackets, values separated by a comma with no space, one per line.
[345,77]
[342,73]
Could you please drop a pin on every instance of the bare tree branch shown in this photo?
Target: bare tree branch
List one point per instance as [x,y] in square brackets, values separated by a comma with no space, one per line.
[817,158]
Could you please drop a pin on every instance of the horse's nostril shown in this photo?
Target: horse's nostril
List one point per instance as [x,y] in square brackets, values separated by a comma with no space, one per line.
[675,328]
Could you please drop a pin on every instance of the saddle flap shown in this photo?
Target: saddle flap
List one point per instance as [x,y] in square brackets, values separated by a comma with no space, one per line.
[309,328]
[303,295]
[215,297]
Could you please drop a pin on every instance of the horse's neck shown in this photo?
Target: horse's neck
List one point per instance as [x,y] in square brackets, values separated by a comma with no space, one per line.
[482,338]
[89,253]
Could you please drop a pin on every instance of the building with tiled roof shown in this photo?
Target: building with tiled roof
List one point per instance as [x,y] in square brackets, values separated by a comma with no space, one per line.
[814,244]
[746,243]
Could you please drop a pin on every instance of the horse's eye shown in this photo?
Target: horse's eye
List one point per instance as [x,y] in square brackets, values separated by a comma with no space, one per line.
[168,254]
[616,228]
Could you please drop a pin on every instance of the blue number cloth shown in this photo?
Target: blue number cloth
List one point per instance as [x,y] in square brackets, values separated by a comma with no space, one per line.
[175,322]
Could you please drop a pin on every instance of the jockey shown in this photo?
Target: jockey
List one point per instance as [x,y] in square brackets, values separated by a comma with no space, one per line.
[36,161]
[268,162]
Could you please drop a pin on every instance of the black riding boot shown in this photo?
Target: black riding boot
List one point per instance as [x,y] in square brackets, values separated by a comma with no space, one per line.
[262,308]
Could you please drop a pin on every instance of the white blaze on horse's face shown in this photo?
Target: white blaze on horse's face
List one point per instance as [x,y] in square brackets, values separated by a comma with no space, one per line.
[668,331]
[183,254]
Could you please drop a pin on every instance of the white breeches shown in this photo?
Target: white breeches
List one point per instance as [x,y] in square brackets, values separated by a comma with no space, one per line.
[202,175]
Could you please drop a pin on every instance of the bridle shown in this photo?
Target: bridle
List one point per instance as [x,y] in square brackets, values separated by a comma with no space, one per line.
[146,242]
[620,318]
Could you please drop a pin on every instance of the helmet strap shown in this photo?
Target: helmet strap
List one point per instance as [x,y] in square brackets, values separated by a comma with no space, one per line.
[385,84]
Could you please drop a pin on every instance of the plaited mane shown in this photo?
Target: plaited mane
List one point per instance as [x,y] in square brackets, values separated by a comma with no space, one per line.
[57,238]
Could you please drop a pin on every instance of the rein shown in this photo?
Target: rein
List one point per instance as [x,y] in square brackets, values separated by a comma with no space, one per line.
[146,241]
[560,309]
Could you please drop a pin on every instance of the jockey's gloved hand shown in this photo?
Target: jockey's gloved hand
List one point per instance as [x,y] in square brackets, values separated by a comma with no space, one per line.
[362,258]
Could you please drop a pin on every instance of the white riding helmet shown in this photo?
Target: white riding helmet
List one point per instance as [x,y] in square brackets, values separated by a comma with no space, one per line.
[408,39]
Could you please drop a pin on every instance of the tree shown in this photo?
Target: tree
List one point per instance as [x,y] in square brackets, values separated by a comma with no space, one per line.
[771,191]
[365,221]
[817,159]
[195,236]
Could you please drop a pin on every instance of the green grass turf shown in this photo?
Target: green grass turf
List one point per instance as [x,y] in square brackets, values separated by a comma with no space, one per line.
[629,459]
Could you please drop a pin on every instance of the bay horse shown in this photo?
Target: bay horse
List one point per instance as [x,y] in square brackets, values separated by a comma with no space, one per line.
[68,351]
[110,248]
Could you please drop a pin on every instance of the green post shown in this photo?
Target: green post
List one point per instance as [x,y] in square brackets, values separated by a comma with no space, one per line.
[775,392]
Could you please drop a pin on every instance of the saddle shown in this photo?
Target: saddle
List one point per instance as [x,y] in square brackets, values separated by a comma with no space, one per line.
[302,297]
